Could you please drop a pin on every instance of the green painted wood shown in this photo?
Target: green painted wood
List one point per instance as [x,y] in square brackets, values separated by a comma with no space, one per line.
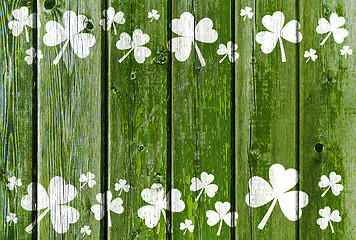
[16,122]
[328,117]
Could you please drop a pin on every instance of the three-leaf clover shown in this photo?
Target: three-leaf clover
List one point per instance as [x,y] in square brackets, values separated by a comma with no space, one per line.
[187,225]
[333,27]
[122,186]
[33,55]
[346,50]
[87,179]
[189,33]
[310,55]
[85,230]
[228,50]
[158,203]
[331,182]
[23,19]
[221,214]
[247,12]
[58,195]
[110,18]
[13,183]
[70,33]
[204,185]
[12,218]
[261,193]
[274,24]
[135,44]
[111,205]
[153,15]
[327,218]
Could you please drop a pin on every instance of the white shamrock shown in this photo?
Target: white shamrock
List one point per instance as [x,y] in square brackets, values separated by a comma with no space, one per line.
[189,33]
[22,21]
[221,214]
[310,55]
[228,50]
[87,179]
[204,185]
[73,25]
[12,218]
[346,50]
[110,18]
[58,194]
[327,218]
[33,55]
[246,13]
[261,193]
[100,209]
[13,183]
[331,182]
[122,186]
[153,15]
[135,44]
[187,225]
[158,203]
[274,24]
[333,27]
[85,230]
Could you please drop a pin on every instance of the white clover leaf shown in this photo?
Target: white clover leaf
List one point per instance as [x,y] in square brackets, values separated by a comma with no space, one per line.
[13,183]
[22,20]
[221,214]
[247,12]
[122,186]
[33,55]
[290,202]
[334,27]
[310,55]
[85,230]
[186,225]
[276,32]
[228,50]
[346,50]
[204,184]
[110,18]
[327,218]
[11,218]
[87,179]
[331,182]
[153,15]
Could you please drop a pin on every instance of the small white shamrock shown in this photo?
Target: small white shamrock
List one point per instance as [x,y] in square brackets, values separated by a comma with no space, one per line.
[246,13]
[228,50]
[13,183]
[333,27]
[310,55]
[100,209]
[71,32]
[122,186]
[85,230]
[87,179]
[346,50]
[33,55]
[189,33]
[331,182]
[158,203]
[187,225]
[135,44]
[58,195]
[221,213]
[290,202]
[274,24]
[12,218]
[22,21]
[110,18]
[327,218]
[153,15]
[204,185]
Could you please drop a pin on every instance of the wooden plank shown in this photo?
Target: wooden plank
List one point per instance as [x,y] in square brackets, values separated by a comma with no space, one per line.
[69,115]
[137,115]
[16,118]
[328,109]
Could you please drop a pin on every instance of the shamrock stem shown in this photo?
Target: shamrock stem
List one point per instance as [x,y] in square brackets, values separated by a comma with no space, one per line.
[185,231]
[308,59]
[27,37]
[200,56]
[265,218]
[219,230]
[59,56]
[83,185]
[245,17]
[322,43]
[120,192]
[201,191]
[167,222]
[114,28]
[223,58]
[125,56]
[151,21]
[109,219]
[282,50]
[322,195]
[331,226]
[33,224]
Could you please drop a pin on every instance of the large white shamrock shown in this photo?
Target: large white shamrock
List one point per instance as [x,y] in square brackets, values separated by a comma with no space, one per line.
[110,18]
[221,214]
[274,24]
[135,44]
[71,32]
[111,205]
[23,19]
[158,202]
[58,195]
[189,33]
[331,182]
[261,193]
[204,185]
[328,217]
[333,27]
